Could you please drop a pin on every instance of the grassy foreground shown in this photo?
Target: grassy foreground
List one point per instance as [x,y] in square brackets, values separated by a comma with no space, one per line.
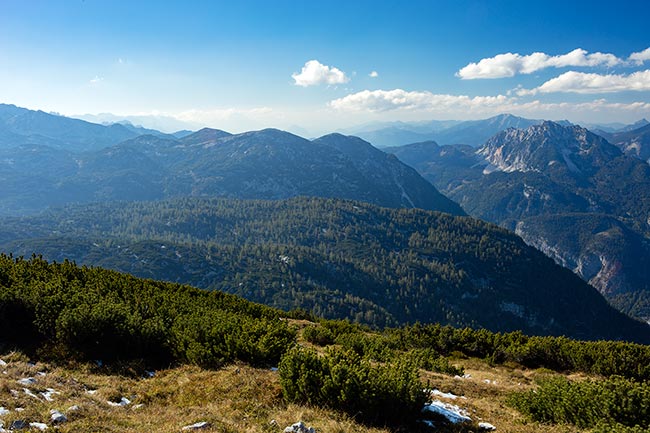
[235,398]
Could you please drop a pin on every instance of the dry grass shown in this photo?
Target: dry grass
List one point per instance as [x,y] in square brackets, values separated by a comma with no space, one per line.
[237,398]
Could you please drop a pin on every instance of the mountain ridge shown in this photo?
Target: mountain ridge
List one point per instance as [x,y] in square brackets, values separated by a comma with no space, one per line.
[530,180]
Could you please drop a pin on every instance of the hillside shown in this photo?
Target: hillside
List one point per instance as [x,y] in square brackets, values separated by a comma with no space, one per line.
[338,259]
[20,127]
[552,183]
[634,142]
[86,349]
[267,164]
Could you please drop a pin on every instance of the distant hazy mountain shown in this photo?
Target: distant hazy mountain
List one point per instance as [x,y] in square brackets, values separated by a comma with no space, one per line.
[563,189]
[338,259]
[471,132]
[268,164]
[166,124]
[616,127]
[633,142]
[19,126]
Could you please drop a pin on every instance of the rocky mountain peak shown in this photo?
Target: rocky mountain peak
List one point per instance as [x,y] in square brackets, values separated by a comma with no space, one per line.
[548,144]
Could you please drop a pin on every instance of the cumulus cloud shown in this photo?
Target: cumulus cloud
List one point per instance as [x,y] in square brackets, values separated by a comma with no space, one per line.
[579,82]
[382,102]
[315,73]
[385,100]
[510,64]
[640,57]
[373,74]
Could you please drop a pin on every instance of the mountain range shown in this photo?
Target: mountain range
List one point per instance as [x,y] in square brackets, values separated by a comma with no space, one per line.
[634,142]
[68,160]
[470,132]
[565,190]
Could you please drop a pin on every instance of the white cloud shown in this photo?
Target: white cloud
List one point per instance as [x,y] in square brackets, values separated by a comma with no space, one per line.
[426,105]
[579,82]
[373,74]
[96,80]
[509,64]
[221,114]
[315,73]
[640,57]
[398,99]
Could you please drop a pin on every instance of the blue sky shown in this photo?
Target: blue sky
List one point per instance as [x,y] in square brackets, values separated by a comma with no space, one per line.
[239,65]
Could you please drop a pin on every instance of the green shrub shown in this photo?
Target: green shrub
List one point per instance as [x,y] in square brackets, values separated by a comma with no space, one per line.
[587,404]
[93,313]
[318,335]
[429,360]
[388,394]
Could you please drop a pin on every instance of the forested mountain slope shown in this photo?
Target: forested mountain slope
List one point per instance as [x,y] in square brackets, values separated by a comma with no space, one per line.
[338,259]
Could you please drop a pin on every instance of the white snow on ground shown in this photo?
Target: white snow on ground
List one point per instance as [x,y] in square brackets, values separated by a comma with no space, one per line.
[452,412]
[441,394]
[31,394]
[486,426]
[57,417]
[39,425]
[197,426]
[27,381]
[123,402]
[2,363]
[4,411]
[49,392]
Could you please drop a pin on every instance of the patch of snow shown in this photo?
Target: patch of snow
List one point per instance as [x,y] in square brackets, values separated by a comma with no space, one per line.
[486,426]
[4,411]
[138,406]
[197,426]
[453,413]
[27,381]
[2,363]
[31,394]
[49,392]
[123,402]
[74,408]
[91,391]
[41,373]
[57,417]
[149,373]
[299,427]
[439,393]
[38,425]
